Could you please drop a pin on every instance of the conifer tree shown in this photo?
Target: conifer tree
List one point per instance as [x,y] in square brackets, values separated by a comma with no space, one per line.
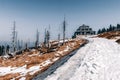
[118,26]
[99,31]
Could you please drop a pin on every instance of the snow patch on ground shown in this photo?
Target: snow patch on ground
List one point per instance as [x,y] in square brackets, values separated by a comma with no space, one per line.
[98,60]
[55,59]
[23,69]
[67,49]
[46,63]
[116,38]
[23,78]
[27,66]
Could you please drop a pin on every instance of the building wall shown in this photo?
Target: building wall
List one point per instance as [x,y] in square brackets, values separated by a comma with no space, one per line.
[84,30]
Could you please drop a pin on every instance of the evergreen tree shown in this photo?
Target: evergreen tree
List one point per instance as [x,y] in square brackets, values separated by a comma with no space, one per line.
[103,30]
[107,29]
[2,49]
[8,48]
[99,31]
[113,28]
[110,28]
[118,26]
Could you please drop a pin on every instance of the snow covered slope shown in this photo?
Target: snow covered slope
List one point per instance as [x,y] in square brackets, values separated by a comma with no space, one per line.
[98,60]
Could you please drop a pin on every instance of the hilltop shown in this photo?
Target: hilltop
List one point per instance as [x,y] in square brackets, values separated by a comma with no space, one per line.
[91,61]
[98,60]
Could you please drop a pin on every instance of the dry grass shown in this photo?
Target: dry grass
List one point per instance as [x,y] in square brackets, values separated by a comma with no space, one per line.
[110,35]
[35,58]
[10,76]
[118,41]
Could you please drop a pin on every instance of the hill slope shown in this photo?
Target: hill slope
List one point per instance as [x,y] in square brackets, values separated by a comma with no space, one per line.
[114,35]
[29,64]
[98,60]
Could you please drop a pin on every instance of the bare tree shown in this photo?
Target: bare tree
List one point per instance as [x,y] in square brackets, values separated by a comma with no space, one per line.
[26,45]
[18,45]
[21,44]
[59,37]
[37,39]
[47,38]
[64,29]
[14,37]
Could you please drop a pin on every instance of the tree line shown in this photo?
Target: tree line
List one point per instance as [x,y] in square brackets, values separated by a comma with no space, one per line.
[110,28]
[17,47]
[4,49]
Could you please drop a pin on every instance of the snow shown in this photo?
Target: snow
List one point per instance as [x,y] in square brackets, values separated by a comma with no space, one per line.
[6,56]
[23,78]
[45,63]
[55,59]
[57,54]
[62,52]
[12,79]
[23,69]
[34,55]
[61,41]
[98,60]
[67,49]
[116,38]
[33,69]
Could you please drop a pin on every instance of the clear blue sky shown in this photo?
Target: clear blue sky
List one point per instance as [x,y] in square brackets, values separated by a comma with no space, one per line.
[32,14]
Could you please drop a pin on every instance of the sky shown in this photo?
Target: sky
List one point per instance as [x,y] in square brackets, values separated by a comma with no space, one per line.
[31,15]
